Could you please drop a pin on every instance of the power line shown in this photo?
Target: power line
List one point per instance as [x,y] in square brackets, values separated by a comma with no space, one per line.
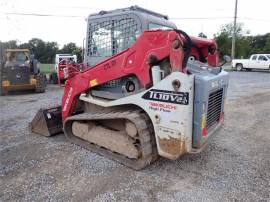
[44,15]
[70,16]
[255,19]
[173,18]
[200,18]
[219,18]
[78,7]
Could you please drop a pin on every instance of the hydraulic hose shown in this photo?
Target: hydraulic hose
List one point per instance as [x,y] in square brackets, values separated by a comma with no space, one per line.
[187,46]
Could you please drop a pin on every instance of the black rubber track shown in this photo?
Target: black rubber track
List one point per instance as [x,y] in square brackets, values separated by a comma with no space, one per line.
[145,130]
[41,83]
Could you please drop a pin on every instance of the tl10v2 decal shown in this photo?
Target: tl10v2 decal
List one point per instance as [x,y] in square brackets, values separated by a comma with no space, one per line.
[181,98]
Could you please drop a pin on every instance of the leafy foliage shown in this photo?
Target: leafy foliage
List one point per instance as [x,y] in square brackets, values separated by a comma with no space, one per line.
[71,48]
[245,45]
[202,35]
[44,51]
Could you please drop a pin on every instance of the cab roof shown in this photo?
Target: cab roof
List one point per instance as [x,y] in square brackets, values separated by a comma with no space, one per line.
[131,8]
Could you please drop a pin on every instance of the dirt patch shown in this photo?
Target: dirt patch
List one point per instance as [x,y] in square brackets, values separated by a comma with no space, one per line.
[173,146]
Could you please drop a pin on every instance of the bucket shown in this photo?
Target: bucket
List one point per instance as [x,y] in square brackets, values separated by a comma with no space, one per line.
[47,122]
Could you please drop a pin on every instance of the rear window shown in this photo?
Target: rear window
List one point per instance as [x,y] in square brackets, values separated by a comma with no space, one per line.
[110,37]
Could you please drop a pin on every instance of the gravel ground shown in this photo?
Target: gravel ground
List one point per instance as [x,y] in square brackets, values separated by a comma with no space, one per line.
[234,167]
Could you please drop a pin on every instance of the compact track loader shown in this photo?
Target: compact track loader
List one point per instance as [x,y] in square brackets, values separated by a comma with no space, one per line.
[149,90]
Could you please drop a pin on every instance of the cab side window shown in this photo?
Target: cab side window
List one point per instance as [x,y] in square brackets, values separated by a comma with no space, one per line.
[262,58]
[254,57]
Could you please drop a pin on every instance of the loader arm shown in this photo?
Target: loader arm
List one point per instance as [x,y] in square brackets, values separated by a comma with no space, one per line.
[149,48]
[205,50]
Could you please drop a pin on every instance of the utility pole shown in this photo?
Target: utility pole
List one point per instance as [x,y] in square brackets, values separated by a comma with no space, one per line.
[83,47]
[234,29]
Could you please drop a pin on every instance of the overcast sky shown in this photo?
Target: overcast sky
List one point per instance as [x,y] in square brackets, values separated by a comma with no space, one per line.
[209,16]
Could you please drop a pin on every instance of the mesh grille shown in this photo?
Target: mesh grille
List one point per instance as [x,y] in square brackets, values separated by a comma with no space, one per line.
[18,74]
[110,37]
[214,107]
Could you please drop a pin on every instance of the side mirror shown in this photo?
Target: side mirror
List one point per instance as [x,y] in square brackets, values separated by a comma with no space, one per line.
[227,58]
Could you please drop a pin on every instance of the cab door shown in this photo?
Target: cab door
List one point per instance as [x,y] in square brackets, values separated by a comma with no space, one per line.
[253,62]
[262,62]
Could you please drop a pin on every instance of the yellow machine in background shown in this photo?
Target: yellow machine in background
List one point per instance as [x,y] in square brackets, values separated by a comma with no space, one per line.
[19,71]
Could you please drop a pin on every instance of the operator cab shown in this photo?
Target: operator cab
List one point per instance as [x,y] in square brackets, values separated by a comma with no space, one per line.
[16,56]
[110,32]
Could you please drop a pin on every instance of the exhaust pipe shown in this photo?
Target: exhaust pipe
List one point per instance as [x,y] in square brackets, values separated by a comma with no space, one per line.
[157,74]
[47,122]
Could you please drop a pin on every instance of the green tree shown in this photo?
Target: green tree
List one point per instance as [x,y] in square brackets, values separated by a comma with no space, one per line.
[51,49]
[224,40]
[78,52]
[202,35]
[24,45]
[43,51]
[9,44]
[260,43]
[6,45]
[37,46]
[71,48]
[68,48]
[267,44]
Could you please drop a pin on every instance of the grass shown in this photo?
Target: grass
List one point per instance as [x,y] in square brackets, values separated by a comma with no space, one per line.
[46,68]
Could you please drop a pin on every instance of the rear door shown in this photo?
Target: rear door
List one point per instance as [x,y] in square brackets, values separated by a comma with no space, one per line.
[252,62]
[263,62]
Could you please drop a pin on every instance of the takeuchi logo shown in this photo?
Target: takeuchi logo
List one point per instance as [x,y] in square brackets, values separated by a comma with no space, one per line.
[68,98]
